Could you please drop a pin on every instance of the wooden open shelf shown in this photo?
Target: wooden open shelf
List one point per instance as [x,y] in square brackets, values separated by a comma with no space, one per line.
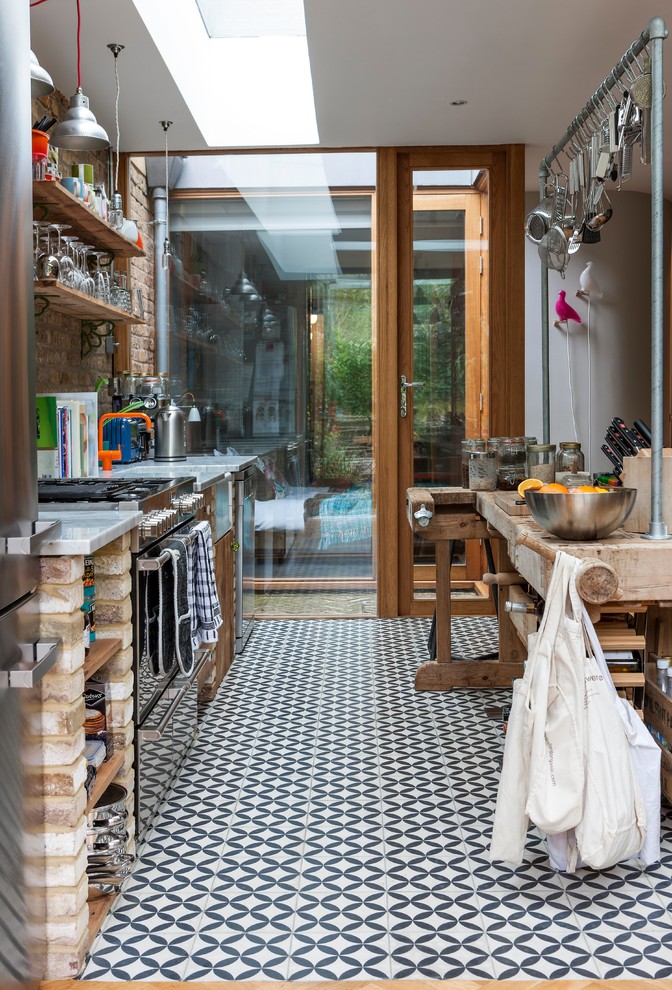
[105,774]
[99,906]
[658,714]
[101,651]
[60,206]
[64,299]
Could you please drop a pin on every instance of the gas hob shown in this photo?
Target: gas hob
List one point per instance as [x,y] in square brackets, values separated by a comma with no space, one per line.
[166,503]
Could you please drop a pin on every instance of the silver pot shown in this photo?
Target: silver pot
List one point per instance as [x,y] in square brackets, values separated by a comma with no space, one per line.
[111,804]
[539,220]
[105,844]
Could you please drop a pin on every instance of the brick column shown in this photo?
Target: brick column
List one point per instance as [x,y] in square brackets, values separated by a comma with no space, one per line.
[112,567]
[57,772]
[57,766]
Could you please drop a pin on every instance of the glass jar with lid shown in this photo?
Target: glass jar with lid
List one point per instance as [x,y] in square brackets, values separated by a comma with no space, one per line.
[482,470]
[467,446]
[569,459]
[541,462]
[512,462]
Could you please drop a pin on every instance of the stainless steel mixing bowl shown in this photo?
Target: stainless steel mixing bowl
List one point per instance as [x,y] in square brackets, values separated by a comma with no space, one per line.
[584,516]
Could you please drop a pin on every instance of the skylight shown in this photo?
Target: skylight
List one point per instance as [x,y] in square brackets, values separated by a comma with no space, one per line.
[244,89]
[253,18]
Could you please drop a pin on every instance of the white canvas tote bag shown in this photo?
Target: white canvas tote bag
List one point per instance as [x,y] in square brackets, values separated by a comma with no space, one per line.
[644,753]
[527,720]
[613,826]
[555,797]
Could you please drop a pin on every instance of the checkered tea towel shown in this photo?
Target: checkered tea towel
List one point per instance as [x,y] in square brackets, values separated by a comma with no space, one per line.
[206,610]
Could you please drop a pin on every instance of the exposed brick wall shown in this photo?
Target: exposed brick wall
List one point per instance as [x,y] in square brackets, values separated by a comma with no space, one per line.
[59,365]
[142,269]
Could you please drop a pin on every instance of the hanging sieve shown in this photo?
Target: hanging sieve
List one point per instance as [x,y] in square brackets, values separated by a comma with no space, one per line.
[539,220]
[553,250]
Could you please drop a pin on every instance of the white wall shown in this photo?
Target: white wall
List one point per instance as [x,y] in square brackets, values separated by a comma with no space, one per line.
[620,331]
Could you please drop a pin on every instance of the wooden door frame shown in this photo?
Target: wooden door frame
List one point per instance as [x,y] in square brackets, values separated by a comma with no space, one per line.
[504,301]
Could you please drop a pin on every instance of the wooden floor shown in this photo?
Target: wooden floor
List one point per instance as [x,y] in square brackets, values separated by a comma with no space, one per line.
[369,985]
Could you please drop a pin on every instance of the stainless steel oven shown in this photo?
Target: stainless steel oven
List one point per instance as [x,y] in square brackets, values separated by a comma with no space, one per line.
[165,703]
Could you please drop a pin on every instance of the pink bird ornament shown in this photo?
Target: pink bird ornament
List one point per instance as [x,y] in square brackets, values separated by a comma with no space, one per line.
[564,311]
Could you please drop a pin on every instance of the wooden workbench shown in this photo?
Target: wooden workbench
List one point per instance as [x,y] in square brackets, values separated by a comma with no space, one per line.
[623,571]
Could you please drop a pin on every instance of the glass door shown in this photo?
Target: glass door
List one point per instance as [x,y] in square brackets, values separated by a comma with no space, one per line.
[443,353]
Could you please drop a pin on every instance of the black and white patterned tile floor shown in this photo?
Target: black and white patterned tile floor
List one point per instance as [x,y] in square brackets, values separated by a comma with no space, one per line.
[330,823]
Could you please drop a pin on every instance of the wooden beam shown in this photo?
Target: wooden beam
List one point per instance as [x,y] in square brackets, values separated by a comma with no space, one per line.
[385,377]
[435,676]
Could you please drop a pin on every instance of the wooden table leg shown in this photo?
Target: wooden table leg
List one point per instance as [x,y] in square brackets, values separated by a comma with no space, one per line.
[443,674]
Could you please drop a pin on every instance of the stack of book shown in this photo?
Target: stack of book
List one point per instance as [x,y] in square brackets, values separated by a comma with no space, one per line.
[66,435]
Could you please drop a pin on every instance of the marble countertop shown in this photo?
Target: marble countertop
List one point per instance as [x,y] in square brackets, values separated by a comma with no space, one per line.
[84,531]
[205,470]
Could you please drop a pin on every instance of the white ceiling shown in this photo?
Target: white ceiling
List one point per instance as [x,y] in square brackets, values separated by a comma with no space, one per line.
[384,71]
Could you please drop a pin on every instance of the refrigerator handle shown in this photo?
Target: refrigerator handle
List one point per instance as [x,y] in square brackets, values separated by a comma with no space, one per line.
[37,659]
[155,733]
[43,532]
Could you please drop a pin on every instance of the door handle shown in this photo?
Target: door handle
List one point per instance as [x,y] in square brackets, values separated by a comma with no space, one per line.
[155,732]
[403,406]
[37,659]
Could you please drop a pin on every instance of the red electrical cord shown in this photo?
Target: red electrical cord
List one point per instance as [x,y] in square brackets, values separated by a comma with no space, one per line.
[79,47]
[36,3]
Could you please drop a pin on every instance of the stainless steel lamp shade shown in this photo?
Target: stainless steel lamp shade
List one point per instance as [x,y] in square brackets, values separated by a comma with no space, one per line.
[245,290]
[41,83]
[79,130]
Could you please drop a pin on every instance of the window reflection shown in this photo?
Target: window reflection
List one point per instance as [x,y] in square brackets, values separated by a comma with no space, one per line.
[270,328]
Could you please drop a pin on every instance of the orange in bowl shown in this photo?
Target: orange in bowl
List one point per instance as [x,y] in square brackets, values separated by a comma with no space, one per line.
[553,487]
[586,489]
[530,484]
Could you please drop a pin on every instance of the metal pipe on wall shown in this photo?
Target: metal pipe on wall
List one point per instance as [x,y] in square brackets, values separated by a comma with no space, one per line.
[657,33]
[160,197]
[545,364]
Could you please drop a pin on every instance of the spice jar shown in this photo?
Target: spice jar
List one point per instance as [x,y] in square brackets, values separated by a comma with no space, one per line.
[662,666]
[541,462]
[467,446]
[512,463]
[569,459]
[482,470]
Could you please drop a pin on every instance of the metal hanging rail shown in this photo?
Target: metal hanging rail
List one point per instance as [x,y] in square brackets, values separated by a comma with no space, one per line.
[652,37]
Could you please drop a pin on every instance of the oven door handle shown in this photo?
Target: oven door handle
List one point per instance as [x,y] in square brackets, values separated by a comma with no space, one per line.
[155,733]
[154,563]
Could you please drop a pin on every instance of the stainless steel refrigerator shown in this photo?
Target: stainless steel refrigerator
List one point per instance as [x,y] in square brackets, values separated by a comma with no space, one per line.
[22,660]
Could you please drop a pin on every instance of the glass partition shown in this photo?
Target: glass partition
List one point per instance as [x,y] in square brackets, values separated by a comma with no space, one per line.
[270,330]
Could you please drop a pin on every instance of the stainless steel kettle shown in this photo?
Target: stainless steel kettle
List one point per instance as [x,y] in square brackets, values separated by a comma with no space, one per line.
[170,434]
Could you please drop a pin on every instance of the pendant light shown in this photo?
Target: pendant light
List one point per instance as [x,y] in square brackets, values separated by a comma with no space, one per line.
[79,130]
[245,290]
[115,49]
[165,258]
[41,83]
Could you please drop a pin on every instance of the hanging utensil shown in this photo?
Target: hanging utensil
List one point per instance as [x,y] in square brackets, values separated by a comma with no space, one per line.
[598,221]
[539,220]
